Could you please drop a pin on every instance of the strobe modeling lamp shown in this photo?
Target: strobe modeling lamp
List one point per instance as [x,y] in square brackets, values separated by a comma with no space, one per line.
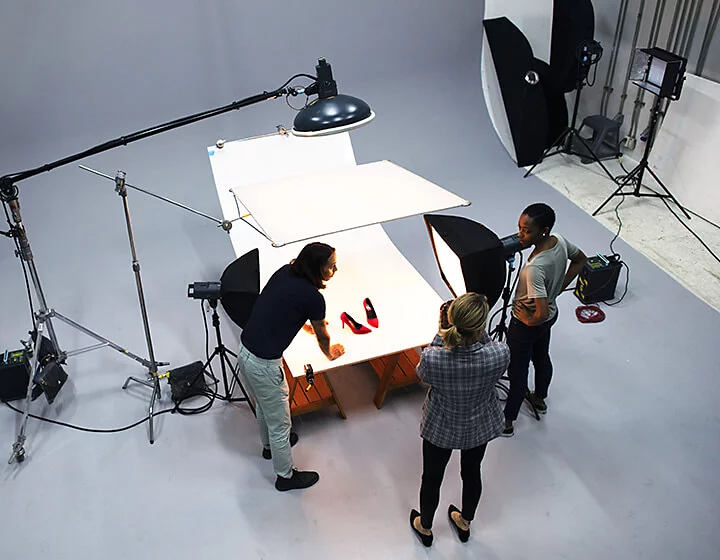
[331,112]
[659,71]
[471,258]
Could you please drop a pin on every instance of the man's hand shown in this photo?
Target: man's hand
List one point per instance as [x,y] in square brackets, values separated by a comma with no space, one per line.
[332,352]
[308,328]
[336,350]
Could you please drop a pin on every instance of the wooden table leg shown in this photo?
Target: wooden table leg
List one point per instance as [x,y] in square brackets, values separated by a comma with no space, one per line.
[334,396]
[386,379]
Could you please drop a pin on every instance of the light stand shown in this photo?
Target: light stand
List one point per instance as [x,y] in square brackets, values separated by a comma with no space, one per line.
[329,113]
[152,380]
[635,176]
[662,73]
[222,352]
[589,53]
[500,331]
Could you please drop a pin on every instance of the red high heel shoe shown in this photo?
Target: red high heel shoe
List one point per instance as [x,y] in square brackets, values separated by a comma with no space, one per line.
[370,312]
[355,327]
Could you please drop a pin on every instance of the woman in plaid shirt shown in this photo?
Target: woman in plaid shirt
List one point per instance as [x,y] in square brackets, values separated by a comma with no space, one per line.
[461,411]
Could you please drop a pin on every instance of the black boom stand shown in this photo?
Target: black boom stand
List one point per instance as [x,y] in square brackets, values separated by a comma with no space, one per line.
[636,175]
[222,352]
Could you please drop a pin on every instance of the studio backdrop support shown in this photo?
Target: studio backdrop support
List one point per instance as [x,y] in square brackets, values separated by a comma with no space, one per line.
[329,113]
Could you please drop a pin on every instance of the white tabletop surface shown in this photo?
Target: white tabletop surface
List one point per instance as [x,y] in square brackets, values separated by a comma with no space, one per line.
[369,265]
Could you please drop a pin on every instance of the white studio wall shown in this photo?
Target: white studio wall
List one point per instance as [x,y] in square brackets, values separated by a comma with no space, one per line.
[685,153]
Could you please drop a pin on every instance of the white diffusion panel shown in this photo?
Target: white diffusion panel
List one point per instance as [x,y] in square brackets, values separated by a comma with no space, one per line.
[269,158]
[306,206]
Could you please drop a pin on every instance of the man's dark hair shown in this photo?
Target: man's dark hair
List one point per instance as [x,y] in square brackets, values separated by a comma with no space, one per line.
[541,214]
[310,262]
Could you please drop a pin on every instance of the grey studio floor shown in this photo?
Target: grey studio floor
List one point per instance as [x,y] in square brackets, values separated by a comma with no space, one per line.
[623,466]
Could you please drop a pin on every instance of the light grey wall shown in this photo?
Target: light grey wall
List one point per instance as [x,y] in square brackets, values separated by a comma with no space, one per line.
[81,73]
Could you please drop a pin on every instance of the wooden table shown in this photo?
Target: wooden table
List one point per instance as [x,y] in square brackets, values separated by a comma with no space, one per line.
[298,189]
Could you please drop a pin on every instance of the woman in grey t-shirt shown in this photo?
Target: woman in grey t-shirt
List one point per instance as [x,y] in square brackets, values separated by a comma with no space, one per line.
[545,275]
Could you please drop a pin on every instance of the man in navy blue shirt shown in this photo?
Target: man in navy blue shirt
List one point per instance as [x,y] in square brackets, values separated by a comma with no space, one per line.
[288,301]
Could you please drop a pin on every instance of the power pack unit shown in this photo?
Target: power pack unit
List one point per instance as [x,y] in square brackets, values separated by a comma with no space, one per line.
[14,375]
[598,279]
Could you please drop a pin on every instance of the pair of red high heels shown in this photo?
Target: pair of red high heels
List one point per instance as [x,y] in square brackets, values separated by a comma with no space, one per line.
[359,328]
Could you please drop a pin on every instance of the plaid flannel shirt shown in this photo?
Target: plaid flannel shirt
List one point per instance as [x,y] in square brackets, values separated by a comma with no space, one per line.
[462,409]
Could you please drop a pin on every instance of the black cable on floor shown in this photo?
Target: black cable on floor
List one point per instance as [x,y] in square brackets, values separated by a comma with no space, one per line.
[92,430]
[627,282]
[687,227]
[679,219]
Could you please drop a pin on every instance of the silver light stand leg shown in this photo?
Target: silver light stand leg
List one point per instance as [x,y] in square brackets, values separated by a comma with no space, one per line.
[636,174]
[152,379]
[18,447]
[44,319]
[25,253]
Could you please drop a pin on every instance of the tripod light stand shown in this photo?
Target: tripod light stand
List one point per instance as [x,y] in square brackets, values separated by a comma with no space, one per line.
[589,53]
[222,352]
[661,73]
[238,290]
[329,113]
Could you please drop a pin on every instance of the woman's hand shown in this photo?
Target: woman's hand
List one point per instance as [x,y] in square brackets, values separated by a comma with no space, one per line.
[444,322]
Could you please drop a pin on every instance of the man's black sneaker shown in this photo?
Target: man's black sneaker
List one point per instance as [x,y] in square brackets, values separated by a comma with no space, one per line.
[267,454]
[538,403]
[298,480]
